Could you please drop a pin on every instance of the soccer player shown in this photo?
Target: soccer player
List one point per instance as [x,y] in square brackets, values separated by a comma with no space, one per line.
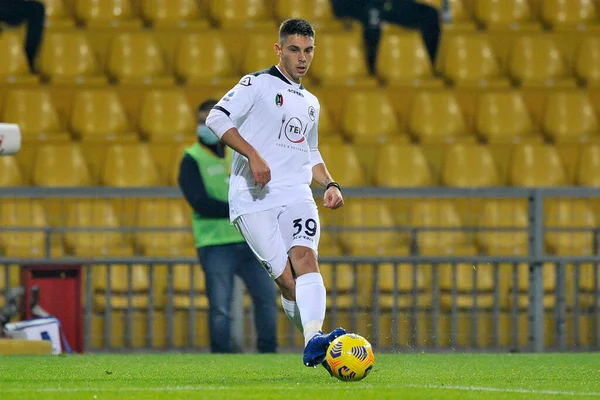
[271,121]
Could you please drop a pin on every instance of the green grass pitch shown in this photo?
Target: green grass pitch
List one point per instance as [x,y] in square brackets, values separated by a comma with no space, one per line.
[282,376]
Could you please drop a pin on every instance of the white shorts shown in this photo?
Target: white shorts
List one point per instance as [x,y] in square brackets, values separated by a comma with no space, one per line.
[272,233]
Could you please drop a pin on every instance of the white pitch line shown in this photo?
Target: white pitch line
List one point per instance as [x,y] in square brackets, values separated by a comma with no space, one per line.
[200,387]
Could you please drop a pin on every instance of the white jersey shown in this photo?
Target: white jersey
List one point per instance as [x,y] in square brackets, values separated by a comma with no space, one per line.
[279,119]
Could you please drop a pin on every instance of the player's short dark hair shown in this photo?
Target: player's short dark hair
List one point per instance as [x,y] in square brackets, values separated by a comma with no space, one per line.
[295,26]
[207,105]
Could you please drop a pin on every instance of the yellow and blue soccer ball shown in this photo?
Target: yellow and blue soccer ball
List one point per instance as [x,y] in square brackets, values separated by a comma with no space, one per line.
[350,357]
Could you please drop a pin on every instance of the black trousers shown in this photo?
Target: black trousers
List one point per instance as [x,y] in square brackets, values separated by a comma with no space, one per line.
[16,12]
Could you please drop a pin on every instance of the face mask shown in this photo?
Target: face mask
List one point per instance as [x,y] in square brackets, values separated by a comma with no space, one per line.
[206,135]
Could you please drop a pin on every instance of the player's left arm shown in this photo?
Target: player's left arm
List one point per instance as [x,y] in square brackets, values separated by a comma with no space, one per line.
[333,195]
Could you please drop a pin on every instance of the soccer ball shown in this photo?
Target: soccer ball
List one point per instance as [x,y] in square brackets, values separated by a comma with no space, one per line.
[350,357]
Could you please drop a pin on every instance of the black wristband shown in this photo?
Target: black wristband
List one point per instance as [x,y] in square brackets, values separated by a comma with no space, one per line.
[330,184]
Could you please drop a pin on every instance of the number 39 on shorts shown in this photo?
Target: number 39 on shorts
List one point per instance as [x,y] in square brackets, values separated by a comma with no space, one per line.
[309,226]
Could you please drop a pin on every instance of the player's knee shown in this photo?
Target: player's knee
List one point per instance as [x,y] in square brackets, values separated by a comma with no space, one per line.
[304,260]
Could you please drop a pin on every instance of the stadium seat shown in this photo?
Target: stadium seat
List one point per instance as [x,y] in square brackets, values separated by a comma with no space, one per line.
[569,213]
[374,215]
[235,14]
[163,213]
[469,60]
[23,214]
[588,167]
[327,127]
[67,57]
[569,116]
[166,116]
[11,173]
[61,165]
[471,281]
[119,283]
[436,117]
[35,113]
[536,61]
[403,61]
[469,165]
[185,14]
[502,117]
[182,284]
[503,14]
[342,61]
[503,214]
[586,61]
[318,12]
[408,159]
[428,213]
[569,14]
[129,165]
[106,14]
[343,284]
[203,58]
[342,162]
[535,165]
[95,213]
[14,68]
[99,115]
[368,117]
[135,58]
[57,15]
[259,53]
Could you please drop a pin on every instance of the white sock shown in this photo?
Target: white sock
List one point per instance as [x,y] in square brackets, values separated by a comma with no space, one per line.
[311,300]
[293,313]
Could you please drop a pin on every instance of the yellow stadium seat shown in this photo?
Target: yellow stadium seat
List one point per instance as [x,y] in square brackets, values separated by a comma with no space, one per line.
[341,62]
[503,14]
[136,58]
[374,215]
[535,165]
[570,117]
[569,213]
[403,61]
[29,147]
[327,127]
[99,115]
[106,14]
[98,214]
[182,285]
[35,113]
[502,117]
[344,284]
[428,213]
[436,117]
[504,214]
[11,173]
[369,117]
[129,165]
[404,158]
[119,286]
[588,168]
[166,116]
[470,279]
[469,60]
[61,165]
[565,14]
[163,213]
[232,14]
[67,57]
[23,214]
[203,58]
[259,53]
[536,61]
[469,165]
[173,14]
[57,14]
[586,61]
[318,12]
[343,164]
[14,68]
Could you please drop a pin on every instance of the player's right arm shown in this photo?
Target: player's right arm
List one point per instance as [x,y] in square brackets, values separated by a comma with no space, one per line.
[235,105]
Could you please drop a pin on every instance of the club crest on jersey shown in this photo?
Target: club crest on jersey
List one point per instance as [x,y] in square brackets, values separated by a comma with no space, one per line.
[279,100]
[312,113]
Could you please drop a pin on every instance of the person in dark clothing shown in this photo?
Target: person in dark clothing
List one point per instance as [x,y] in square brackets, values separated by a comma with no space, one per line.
[408,13]
[15,12]
[222,251]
